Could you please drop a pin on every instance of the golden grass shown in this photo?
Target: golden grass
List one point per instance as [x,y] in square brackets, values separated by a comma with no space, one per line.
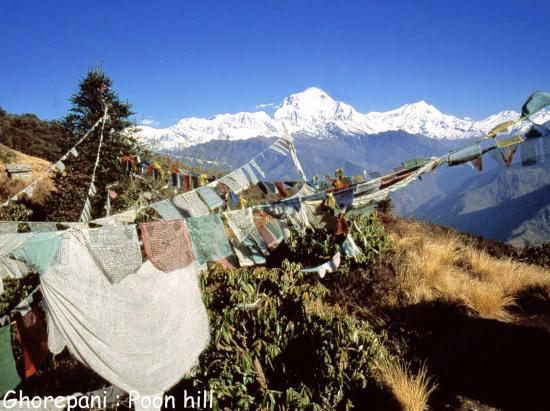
[9,187]
[435,265]
[410,390]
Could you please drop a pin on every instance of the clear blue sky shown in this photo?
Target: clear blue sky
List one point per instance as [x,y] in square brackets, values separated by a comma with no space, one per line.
[175,59]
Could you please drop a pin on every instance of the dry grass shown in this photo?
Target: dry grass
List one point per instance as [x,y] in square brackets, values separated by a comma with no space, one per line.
[9,187]
[435,265]
[410,390]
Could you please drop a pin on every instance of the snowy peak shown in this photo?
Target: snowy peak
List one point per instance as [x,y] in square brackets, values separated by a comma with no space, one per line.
[314,113]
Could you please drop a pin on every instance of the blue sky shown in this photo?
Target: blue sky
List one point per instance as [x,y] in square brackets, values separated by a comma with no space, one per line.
[174,59]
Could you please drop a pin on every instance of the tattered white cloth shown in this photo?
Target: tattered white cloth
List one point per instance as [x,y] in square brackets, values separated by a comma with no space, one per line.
[142,334]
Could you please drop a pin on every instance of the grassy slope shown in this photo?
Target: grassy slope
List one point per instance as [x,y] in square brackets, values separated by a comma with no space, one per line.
[9,187]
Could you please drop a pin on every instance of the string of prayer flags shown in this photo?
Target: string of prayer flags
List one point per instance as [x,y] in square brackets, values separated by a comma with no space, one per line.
[30,188]
[209,196]
[9,378]
[536,102]
[167,244]
[115,249]
[208,237]
[330,266]
[464,154]
[38,251]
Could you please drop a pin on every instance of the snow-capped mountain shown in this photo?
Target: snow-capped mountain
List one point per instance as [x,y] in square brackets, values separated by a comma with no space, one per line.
[314,113]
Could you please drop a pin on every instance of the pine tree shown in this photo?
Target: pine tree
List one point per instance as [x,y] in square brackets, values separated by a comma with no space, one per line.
[88,105]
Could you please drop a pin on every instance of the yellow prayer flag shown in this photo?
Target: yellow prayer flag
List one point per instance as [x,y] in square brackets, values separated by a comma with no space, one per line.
[502,127]
[509,141]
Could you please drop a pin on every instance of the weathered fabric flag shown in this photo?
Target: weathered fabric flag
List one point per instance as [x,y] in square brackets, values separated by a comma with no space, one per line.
[39,251]
[272,234]
[464,154]
[250,173]
[501,128]
[329,267]
[208,237]
[415,163]
[529,152]
[167,244]
[115,249]
[256,167]
[143,334]
[210,197]
[168,209]
[195,205]
[349,247]
[536,102]
[236,181]
[242,225]
[32,332]
[344,199]
[9,379]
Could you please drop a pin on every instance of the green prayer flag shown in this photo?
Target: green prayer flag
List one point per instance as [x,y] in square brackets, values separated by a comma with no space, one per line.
[9,379]
[415,162]
[536,102]
[464,154]
[39,251]
[208,237]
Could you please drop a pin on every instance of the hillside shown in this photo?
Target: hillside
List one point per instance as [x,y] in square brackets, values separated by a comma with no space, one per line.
[33,136]
[509,205]
[9,187]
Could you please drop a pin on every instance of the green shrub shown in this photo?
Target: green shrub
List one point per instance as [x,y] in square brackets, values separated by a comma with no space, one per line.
[317,246]
[277,345]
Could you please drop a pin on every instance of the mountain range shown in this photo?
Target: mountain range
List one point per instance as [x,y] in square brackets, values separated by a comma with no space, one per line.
[329,134]
[314,113]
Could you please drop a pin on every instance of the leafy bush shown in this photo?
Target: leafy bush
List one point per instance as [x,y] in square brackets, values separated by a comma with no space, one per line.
[277,345]
[15,290]
[317,246]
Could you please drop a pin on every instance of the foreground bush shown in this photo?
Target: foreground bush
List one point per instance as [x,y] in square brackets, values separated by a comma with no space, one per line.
[276,345]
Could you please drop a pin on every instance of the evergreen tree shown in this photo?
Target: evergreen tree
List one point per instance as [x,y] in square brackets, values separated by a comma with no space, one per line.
[88,105]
